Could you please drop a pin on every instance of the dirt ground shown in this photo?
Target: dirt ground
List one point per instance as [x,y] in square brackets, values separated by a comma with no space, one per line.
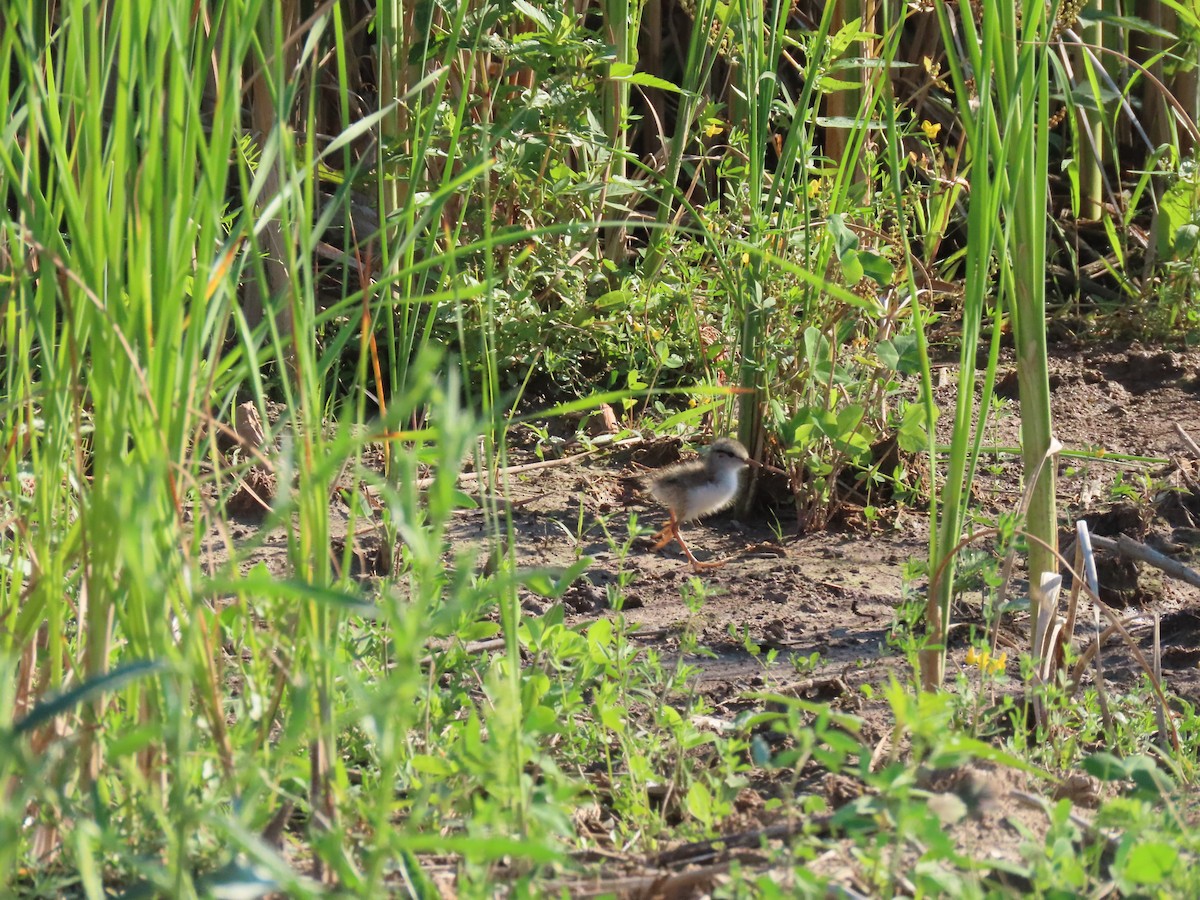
[834,594]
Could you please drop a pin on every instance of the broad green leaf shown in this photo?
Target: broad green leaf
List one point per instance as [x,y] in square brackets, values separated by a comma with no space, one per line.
[1186,239]
[852,269]
[534,13]
[878,268]
[844,240]
[541,720]
[553,583]
[816,348]
[900,354]
[1150,863]
[699,803]
[1105,766]
[913,434]
[428,764]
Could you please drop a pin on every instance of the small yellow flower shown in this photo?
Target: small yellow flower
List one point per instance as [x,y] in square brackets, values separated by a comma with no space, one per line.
[655,334]
[972,656]
[691,403]
[814,188]
[931,129]
[714,127]
[997,665]
[639,327]
[746,258]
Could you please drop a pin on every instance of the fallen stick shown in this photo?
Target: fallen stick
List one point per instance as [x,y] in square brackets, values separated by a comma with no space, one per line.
[1187,439]
[542,464]
[1134,550]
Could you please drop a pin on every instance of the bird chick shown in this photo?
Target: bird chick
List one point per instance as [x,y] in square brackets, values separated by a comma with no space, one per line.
[695,489]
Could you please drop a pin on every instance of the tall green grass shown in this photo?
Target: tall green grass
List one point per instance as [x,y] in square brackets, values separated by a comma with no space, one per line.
[179,705]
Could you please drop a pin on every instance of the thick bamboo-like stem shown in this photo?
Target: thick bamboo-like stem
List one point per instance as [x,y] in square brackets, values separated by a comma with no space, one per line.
[1185,86]
[1028,167]
[264,110]
[1155,111]
[397,74]
[621,20]
[1005,115]
[651,57]
[1091,130]
[838,104]
[707,33]
[760,55]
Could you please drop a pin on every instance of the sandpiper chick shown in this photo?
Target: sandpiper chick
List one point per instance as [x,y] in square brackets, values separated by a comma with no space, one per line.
[691,490]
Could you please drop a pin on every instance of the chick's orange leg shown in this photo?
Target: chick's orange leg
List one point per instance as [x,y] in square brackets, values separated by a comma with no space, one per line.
[697,565]
[669,532]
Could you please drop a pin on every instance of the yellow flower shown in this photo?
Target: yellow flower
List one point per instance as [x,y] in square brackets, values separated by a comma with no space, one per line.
[746,258]
[997,664]
[655,334]
[931,129]
[972,656]
[814,188]
[715,127]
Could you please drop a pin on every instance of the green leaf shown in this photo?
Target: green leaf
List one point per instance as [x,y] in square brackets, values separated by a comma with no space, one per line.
[541,720]
[533,12]
[1186,239]
[852,269]
[844,37]
[645,79]
[817,351]
[613,718]
[900,354]
[699,803]
[1105,766]
[600,637]
[260,582]
[878,268]
[553,583]
[1175,212]
[829,85]
[844,240]
[913,434]
[1131,23]
[427,764]
[1147,775]
[133,741]
[108,682]
[463,500]
[1150,863]
[613,298]
[849,122]
[478,631]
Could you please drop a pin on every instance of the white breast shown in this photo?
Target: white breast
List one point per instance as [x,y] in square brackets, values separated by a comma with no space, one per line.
[711,495]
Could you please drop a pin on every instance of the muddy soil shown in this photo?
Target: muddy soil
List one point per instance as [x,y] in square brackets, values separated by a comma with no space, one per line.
[826,602]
